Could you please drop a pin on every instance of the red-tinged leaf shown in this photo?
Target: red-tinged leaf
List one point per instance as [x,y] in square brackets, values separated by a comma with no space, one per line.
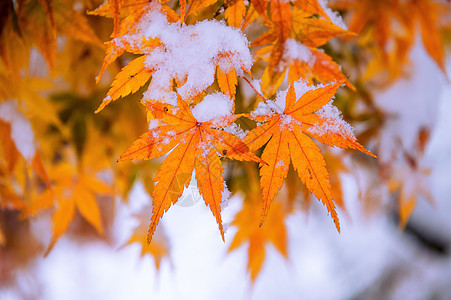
[47,5]
[8,147]
[260,7]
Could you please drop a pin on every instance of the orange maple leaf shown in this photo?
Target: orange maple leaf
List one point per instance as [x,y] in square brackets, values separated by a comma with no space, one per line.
[248,231]
[197,145]
[160,48]
[159,249]
[235,12]
[70,191]
[286,132]
[392,26]
[291,29]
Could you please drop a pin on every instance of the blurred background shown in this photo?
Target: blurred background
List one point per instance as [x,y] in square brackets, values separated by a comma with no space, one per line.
[73,221]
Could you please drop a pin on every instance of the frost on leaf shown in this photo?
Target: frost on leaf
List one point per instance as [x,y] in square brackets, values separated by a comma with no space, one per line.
[188,55]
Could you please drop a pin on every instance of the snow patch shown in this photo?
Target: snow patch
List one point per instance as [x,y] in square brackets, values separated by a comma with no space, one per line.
[236,130]
[301,87]
[295,50]
[189,53]
[154,123]
[277,106]
[332,123]
[225,197]
[333,15]
[213,106]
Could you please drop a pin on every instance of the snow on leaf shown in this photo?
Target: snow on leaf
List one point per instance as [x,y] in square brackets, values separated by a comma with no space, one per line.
[196,144]
[288,132]
[293,35]
[129,80]
[187,54]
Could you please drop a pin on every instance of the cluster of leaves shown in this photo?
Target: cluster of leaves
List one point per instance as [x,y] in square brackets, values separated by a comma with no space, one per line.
[198,142]
[388,30]
[196,63]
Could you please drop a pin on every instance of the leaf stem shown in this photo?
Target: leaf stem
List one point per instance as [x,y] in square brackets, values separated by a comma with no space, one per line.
[189,9]
[252,86]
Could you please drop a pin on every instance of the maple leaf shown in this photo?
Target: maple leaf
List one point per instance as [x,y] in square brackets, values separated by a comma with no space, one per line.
[409,177]
[71,191]
[309,63]
[288,123]
[158,249]
[312,7]
[171,53]
[427,13]
[248,230]
[335,167]
[392,26]
[197,144]
[15,149]
[292,37]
